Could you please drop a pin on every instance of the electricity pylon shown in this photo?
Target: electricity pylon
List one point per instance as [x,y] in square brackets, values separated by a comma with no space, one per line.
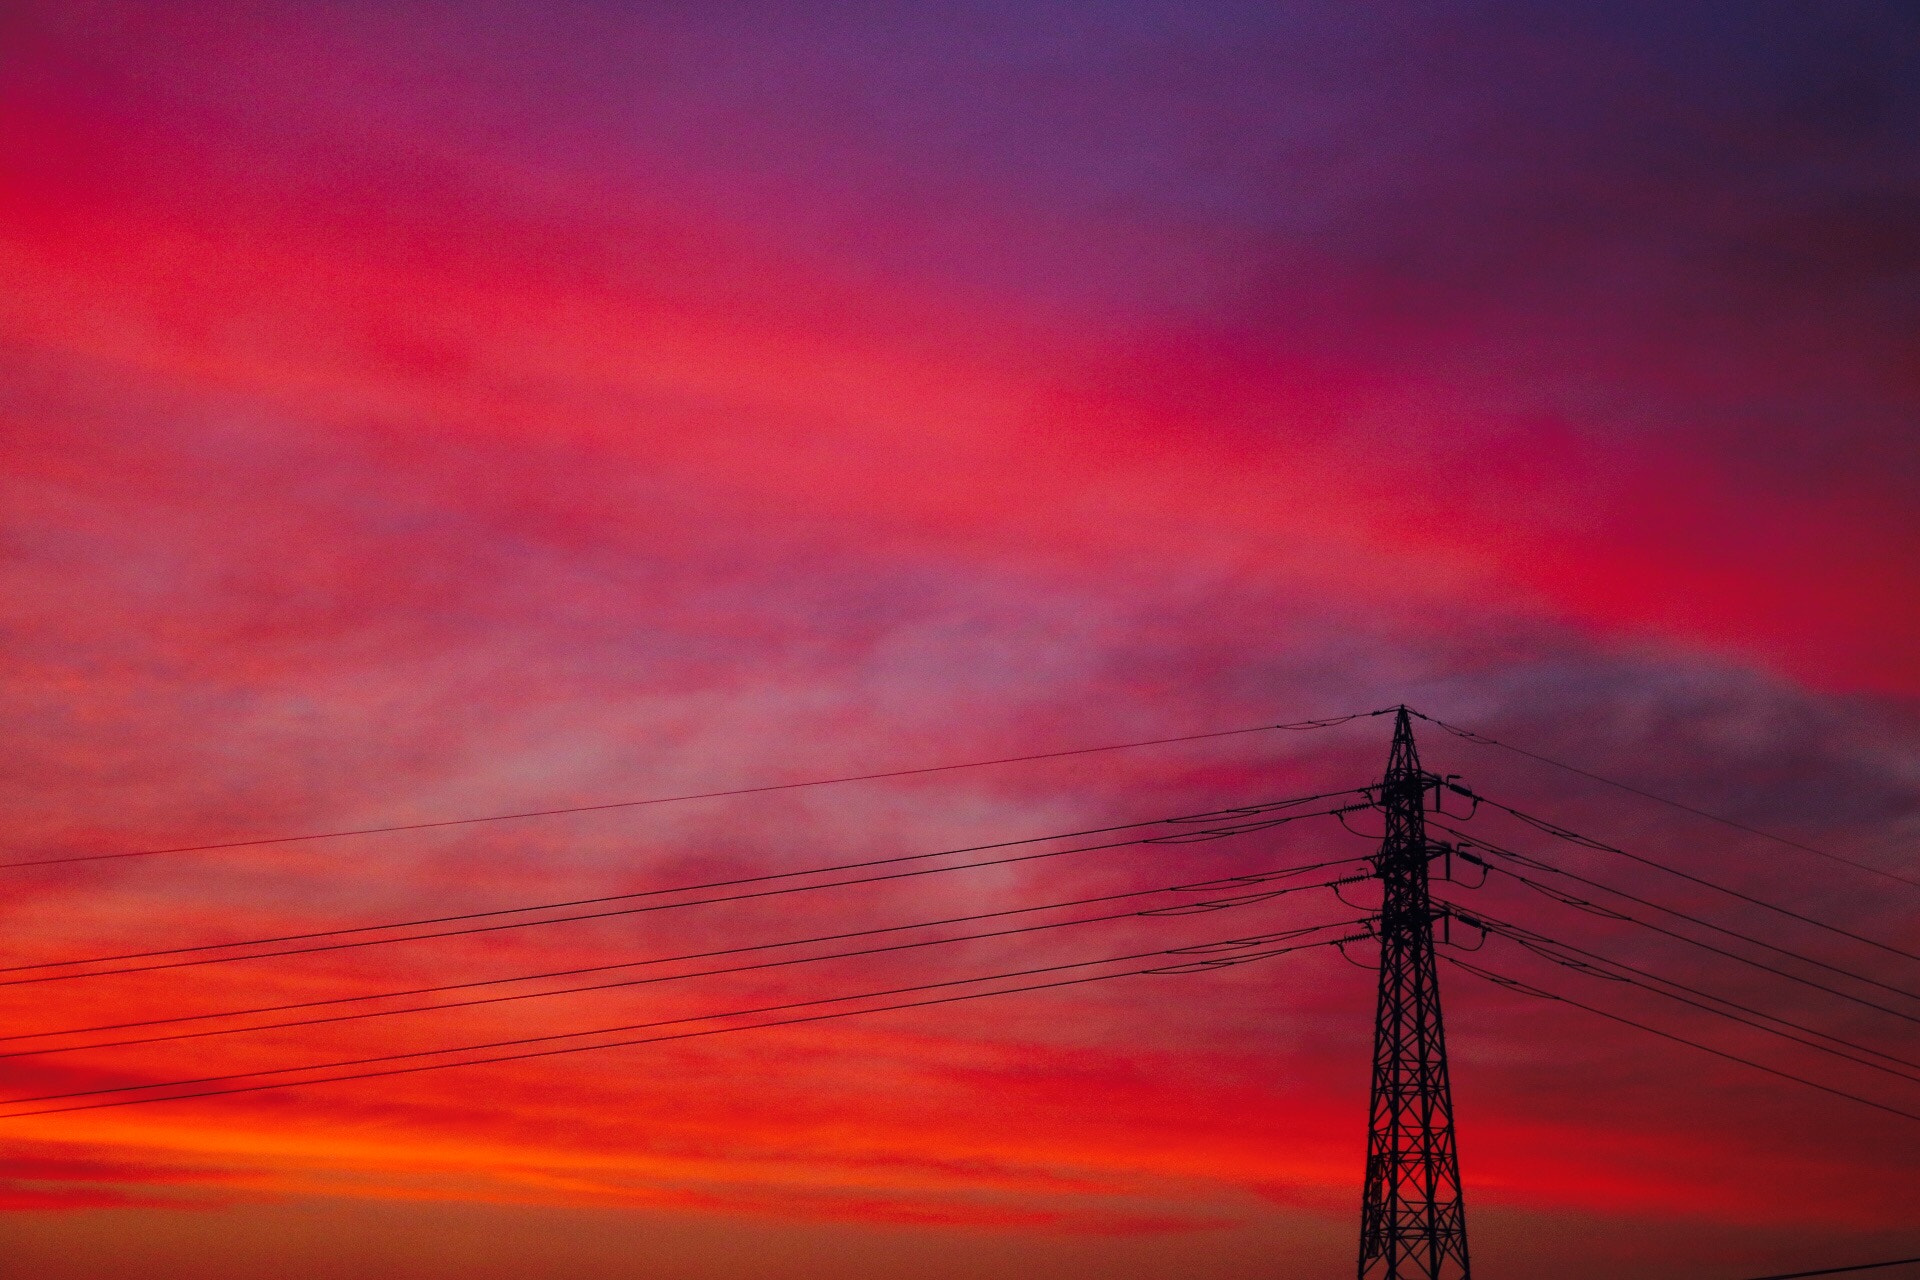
[1413,1223]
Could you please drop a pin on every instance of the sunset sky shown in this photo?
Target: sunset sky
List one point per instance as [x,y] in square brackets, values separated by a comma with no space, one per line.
[438,410]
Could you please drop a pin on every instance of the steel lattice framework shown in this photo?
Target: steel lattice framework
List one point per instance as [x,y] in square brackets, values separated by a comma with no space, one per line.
[1413,1223]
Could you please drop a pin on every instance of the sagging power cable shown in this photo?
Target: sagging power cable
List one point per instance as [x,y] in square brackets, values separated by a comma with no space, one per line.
[1512,984]
[1240,824]
[1482,739]
[1580,959]
[1573,837]
[1611,914]
[1250,951]
[435,824]
[1241,898]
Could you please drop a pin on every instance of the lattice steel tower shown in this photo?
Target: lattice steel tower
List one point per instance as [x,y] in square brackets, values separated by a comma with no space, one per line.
[1413,1223]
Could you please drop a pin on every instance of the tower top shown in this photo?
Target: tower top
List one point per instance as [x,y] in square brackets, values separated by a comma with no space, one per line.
[1404,759]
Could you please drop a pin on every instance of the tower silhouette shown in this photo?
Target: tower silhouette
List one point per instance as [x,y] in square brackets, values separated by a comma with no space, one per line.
[1413,1223]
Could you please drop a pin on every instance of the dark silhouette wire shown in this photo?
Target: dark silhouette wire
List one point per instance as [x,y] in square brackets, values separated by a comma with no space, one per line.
[1511,984]
[1482,739]
[1183,837]
[1189,908]
[1248,955]
[256,841]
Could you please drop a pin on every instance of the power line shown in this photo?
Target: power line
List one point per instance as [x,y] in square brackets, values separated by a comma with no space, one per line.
[1482,739]
[1180,837]
[1239,882]
[1835,1271]
[1241,812]
[257,841]
[1551,948]
[1560,896]
[1242,948]
[1512,984]
[1204,905]
[1562,833]
[1608,913]
[1604,913]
